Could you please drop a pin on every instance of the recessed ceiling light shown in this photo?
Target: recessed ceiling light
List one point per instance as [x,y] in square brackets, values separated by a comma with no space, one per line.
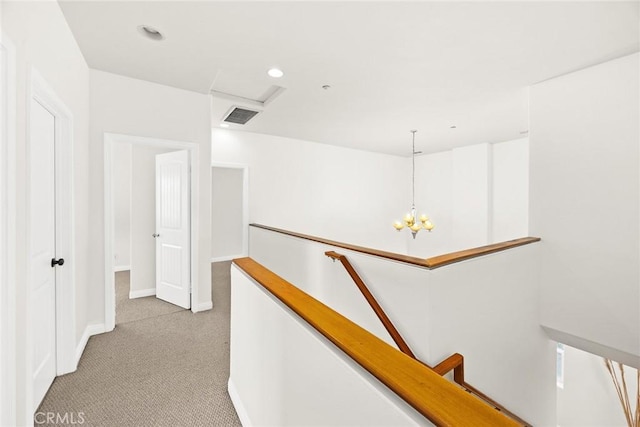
[276,73]
[224,125]
[326,87]
[150,32]
[453,127]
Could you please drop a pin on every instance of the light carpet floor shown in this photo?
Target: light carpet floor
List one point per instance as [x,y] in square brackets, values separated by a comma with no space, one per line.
[159,367]
[130,310]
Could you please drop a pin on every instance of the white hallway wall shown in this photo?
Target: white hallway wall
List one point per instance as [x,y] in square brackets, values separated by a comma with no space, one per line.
[470,193]
[135,107]
[338,193]
[476,195]
[122,206]
[226,212]
[585,204]
[510,183]
[7,232]
[588,398]
[60,62]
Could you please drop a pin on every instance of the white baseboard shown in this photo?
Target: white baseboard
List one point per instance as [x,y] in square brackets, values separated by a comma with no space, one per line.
[89,331]
[203,306]
[237,403]
[227,258]
[142,293]
[121,268]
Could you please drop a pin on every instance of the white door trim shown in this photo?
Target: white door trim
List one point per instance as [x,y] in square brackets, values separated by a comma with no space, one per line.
[7,232]
[245,207]
[41,92]
[109,282]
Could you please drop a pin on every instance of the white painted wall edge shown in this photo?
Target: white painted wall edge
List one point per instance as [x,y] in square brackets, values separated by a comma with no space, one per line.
[203,306]
[229,165]
[237,404]
[121,268]
[140,293]
[593,347]
[228,257]
[8,224]
[89,331]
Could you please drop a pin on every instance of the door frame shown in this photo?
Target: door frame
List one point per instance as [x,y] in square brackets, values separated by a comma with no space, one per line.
[245,208]
[40,91]
[7,231]
[109,280]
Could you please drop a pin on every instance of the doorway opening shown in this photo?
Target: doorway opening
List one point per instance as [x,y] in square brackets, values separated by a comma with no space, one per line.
[158,258]
[229,211]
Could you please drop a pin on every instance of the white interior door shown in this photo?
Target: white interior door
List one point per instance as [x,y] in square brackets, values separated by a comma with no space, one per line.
[42,247]
[173,250]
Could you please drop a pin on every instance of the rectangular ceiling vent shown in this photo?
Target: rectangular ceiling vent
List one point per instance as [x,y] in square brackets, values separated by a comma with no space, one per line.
[240,115]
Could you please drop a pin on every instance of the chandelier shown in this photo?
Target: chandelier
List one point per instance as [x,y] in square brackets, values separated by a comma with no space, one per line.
[411,220]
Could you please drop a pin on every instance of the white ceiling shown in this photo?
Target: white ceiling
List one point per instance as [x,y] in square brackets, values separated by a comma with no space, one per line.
[392,66]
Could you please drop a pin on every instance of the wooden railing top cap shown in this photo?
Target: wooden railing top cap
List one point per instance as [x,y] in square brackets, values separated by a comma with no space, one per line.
[429,263]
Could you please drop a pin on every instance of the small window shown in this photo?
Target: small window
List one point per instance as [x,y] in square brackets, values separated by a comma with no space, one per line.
[560,365]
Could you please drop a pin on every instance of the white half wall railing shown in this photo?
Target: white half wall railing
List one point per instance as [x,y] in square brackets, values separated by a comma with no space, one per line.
[295,361]
[284,373]
[484,308]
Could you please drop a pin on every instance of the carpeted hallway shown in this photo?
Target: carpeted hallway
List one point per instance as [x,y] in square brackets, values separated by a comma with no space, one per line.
[161,366]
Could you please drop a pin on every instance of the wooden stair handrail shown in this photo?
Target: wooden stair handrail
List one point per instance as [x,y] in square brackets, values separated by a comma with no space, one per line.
[429,263]
[386,322]
[454,362]
[440,401]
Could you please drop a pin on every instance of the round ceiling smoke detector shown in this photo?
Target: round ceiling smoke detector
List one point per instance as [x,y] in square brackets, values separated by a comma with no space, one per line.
[150,32]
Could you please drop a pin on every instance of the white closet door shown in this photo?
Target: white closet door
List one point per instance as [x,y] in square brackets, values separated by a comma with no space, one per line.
[42,249]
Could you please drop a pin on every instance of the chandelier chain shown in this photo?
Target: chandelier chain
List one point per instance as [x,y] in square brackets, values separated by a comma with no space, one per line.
[413,173]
